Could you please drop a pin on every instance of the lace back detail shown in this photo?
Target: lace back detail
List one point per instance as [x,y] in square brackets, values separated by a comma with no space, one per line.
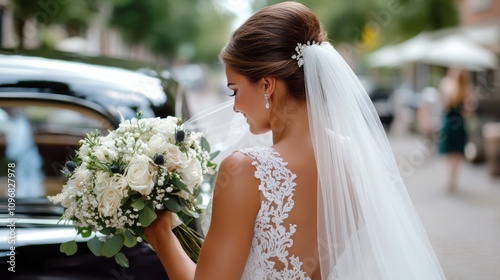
[272,235]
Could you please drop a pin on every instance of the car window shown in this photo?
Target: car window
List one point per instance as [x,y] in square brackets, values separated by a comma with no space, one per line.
[39,139]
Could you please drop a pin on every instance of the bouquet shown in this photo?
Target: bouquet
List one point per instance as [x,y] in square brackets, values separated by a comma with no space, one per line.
[116,182]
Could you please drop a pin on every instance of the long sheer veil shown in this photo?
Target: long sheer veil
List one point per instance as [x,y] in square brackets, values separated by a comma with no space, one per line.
[225,130]
[368,228]
[367,225]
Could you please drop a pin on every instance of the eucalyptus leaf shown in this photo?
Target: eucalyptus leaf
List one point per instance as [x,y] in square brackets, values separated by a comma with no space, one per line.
[138,204]
[69,248]
[179,184]
[191,213]
[172,205]
[204,144]
[214,154]
[129,239]
[121,259]
[95,246]
[196,191]
[107,231]
[112,246]
[182,201]
[146,216]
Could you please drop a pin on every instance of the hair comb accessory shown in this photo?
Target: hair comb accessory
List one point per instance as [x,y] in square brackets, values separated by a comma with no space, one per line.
[299,49]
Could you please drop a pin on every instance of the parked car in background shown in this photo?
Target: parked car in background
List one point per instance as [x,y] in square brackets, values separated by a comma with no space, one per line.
[384,105]
[46,107]
[383,100]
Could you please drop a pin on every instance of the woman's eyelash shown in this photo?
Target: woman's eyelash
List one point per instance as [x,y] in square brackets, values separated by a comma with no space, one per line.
[233,94]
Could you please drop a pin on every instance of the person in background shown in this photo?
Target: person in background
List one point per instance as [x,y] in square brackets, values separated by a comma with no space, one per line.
[455,89]
[22,150]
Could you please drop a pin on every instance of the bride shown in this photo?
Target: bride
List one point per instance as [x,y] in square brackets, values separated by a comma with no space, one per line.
[326,200]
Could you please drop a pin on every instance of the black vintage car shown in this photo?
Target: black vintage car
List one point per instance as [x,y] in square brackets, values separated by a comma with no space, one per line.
[46,107]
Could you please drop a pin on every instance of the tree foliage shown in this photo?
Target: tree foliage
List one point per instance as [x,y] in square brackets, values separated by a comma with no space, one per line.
[173,28]
[196,29]
[190,29]
[384,21]
[72,14]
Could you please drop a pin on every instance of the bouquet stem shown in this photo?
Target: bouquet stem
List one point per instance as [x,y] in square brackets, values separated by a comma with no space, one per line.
[190,240]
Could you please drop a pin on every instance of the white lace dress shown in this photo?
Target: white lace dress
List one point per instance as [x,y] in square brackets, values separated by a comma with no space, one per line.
[272,234]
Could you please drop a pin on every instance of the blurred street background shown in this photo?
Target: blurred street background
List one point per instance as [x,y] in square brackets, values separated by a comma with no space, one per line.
[400,49]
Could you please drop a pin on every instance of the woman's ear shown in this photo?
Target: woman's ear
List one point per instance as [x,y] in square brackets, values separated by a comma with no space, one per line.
[269,85]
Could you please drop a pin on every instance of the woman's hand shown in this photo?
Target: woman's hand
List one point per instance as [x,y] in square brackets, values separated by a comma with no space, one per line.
[161,225]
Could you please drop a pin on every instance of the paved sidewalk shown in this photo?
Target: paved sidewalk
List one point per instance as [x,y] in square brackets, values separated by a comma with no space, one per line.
[464,227]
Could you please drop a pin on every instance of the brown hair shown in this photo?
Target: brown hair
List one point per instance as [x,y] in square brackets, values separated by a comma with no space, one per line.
[264,44]
[462,79]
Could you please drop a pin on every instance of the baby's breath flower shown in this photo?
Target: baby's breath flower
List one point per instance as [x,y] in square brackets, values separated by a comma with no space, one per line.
[133,162]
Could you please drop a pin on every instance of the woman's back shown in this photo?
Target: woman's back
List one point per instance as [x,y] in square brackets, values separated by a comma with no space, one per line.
[284,245]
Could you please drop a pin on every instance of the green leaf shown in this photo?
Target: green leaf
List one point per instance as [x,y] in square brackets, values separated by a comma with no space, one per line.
[211,165]
[146,216]
[179,184]
[107,231]
[85,232]
[69,248]
[204,144]
[129,239]
[172,205]
[182,201]
[112,245]
[121,259]
[190,213]
[125,200]
[196,191]
[95,246]
[138,204]
[214,154]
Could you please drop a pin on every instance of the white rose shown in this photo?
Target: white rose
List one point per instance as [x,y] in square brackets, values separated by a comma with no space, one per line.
[119,183]
[157,144]
[192,174]
[139,175]
[174,157]
[166,127]
[102,183]
[110,202]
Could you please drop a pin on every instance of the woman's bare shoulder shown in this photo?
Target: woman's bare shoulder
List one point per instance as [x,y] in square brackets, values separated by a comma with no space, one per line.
[237,172]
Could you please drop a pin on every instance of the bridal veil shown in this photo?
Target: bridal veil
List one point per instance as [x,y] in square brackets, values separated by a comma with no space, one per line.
[367,225]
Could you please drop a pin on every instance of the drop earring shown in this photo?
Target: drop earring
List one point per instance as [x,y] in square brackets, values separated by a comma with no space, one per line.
[267,100]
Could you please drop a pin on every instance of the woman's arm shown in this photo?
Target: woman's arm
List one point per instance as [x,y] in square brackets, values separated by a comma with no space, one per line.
[225,249]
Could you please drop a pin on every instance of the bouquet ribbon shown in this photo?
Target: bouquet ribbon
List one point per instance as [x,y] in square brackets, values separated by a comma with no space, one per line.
[175,221]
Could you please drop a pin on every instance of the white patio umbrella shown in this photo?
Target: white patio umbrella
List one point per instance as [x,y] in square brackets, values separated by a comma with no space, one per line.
[415,48]
[411,50]
[388,56]
[458,51]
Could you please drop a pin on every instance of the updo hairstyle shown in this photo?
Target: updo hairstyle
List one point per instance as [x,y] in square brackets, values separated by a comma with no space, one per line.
[265,43]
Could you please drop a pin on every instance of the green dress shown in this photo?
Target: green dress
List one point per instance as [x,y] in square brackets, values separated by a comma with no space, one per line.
[452,137]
